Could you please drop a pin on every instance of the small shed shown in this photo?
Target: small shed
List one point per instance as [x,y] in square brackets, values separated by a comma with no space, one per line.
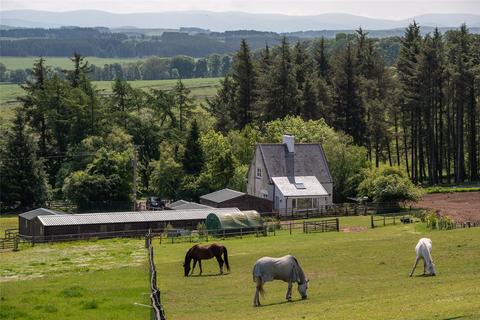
[27,221]
[228,198]
[246,221]
[185,205]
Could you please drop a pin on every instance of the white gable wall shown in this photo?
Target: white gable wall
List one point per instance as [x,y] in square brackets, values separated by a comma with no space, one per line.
[259,186]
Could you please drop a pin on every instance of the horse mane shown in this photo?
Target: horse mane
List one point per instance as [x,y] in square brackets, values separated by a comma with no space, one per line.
[303,279]
[188,255]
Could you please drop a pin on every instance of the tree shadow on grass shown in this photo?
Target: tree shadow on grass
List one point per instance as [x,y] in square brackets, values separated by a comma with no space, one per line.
[208,275]
[454,318]
[281,302]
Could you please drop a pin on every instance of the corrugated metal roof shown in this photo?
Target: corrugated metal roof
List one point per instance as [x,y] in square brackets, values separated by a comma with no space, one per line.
[300,186]
[130,217]
[222,195]
[29,215]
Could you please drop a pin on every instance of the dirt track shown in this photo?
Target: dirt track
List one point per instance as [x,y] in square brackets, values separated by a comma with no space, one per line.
[460,206]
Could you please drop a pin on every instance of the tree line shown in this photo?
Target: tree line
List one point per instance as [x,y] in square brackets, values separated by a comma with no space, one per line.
[153,68]
[70,142]
[422,113]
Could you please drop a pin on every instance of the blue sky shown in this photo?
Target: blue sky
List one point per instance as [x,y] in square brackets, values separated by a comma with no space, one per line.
[386,9]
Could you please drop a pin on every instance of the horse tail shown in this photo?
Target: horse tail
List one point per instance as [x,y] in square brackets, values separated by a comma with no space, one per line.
[225,257]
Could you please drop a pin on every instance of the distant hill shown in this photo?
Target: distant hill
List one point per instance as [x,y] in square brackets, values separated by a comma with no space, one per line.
[221,21]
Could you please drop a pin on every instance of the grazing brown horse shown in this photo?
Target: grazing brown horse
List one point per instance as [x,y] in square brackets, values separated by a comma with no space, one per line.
[199,253]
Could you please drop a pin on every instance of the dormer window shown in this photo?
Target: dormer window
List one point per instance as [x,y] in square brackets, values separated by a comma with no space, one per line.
[259,172]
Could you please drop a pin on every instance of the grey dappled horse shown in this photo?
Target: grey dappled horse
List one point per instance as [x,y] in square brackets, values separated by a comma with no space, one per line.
[285,268]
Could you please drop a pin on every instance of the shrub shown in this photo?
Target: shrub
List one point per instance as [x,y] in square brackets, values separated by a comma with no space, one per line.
[272,223]
[388,184]
[202,229]
[436,221]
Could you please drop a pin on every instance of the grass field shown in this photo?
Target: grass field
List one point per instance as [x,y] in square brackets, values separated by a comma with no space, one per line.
[13,63]
[354,275]
[200,89]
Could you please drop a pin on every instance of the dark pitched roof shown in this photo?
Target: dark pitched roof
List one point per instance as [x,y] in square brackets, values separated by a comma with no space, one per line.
[222,195]
[176,204]
[309,160]
[29,215]
[191,205]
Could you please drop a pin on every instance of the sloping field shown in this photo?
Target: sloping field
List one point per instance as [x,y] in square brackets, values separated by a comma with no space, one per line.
[353,275]
[460,206]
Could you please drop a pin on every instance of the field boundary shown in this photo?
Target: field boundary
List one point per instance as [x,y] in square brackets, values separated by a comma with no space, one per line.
[157,309]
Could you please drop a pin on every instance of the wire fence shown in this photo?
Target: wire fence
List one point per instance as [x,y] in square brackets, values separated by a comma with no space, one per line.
[335,210]
[157,312]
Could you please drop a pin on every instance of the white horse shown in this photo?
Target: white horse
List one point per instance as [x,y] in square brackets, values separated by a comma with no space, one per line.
[285,268]
[424,251]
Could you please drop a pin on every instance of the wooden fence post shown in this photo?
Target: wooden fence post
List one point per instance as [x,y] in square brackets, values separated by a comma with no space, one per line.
[338,224]
[290,224]
[383,220]
[15,243]
[371,220]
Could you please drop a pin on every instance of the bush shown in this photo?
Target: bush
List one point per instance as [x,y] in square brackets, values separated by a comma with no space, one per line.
[202,229]
[388,184]
[436,221]
[272,223]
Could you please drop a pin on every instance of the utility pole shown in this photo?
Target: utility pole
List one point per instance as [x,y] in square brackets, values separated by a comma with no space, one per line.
[134,182]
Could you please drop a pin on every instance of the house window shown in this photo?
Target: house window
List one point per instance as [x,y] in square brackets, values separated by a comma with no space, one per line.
[259,172]
[264,194]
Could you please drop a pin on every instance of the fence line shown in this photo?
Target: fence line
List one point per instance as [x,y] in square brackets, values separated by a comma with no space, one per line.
[321,226]
[335,210]
[157,309]
[385,219]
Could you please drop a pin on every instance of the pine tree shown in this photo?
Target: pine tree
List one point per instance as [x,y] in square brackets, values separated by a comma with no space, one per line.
[407,66]
[245,76]
[301,64]
[308,105]
[193,157]
[184,103]
[34,104]
[78,75]
[282,95]
[223,105]
[320,57]
[22,178]
[350,114]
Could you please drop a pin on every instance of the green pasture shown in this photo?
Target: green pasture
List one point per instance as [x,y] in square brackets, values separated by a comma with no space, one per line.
[353,275]
[13,63]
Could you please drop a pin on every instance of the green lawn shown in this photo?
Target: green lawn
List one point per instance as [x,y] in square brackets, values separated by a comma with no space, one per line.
[353,275]
[13,63]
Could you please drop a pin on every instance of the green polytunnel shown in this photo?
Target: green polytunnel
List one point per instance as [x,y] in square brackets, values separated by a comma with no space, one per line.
[235,220]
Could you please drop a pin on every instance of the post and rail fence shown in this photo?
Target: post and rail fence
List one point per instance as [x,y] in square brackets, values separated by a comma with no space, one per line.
[157,313]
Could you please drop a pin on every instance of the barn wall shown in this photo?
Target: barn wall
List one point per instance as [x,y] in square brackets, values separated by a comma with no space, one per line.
[245,202]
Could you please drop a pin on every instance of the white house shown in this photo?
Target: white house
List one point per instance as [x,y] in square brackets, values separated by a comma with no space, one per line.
[293,176]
